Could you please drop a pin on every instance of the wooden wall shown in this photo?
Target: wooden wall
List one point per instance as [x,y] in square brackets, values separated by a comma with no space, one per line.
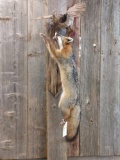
[100,79]
[29,115]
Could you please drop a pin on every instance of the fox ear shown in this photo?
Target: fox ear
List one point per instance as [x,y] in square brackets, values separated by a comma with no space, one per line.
[69,40]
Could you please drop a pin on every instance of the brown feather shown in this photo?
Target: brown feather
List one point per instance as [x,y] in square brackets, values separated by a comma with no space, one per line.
[76,10]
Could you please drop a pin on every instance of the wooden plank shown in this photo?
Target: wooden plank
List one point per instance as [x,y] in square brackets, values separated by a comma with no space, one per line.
[95,158]
[73,147]
[90,81]
[110,79]
[92,158]
[116,96]
[20,76]
[36,81]
[13,79]
[8,124]
[56,147]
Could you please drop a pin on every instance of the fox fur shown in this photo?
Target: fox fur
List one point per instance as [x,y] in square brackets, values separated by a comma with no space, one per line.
[69,101]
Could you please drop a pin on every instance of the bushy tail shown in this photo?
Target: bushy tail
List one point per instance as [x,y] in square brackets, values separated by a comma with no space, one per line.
[73,124]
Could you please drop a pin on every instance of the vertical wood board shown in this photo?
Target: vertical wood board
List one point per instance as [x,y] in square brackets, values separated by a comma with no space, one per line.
[110,79]
[20,84]
[7,134]
[13,79]
[92,158]
[89,79]
[95,158]
[116,97]
[36,82]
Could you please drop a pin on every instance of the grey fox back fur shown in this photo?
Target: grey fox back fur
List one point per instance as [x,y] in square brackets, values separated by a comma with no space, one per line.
[69,101]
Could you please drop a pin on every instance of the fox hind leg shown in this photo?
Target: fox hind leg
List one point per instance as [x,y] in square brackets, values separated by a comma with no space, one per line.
[66,114]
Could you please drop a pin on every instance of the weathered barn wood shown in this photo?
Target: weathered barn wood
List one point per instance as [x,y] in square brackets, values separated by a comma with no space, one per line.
[20,78]
[36,82]
[92,158]
[29,113]
[90,79]
[95,158]
[13,79]
[110,79]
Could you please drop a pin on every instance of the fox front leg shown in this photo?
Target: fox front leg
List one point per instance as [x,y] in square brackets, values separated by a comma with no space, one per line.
[59,40]
[50,46]
[45,39]
[62,122]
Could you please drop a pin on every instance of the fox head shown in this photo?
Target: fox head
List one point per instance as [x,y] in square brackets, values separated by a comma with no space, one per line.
[63,41]
[66,40]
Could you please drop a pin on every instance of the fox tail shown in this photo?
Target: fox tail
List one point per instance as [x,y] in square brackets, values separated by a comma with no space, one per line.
[73,124]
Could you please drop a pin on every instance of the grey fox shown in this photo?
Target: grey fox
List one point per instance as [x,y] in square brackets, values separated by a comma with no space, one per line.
[69,101]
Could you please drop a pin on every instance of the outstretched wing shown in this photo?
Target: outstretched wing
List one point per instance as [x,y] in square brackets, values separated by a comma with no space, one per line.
[76,10]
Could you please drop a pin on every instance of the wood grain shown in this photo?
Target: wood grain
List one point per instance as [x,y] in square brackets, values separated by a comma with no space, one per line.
[7,94]
[90,79]
[20,78]
[24,94]
[13,80]
[92,158]
[36,82]
[95,158]
[110,79]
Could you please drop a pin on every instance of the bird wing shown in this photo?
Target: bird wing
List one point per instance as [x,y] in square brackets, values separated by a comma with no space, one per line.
[76,10]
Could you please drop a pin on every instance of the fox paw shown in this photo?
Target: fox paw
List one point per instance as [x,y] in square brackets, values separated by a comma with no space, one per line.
[62,122]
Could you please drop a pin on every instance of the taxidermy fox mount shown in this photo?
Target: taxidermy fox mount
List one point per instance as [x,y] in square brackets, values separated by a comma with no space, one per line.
[69,101]
[64,24]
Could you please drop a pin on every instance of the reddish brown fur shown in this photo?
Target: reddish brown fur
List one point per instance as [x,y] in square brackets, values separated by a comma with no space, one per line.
[69,102]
